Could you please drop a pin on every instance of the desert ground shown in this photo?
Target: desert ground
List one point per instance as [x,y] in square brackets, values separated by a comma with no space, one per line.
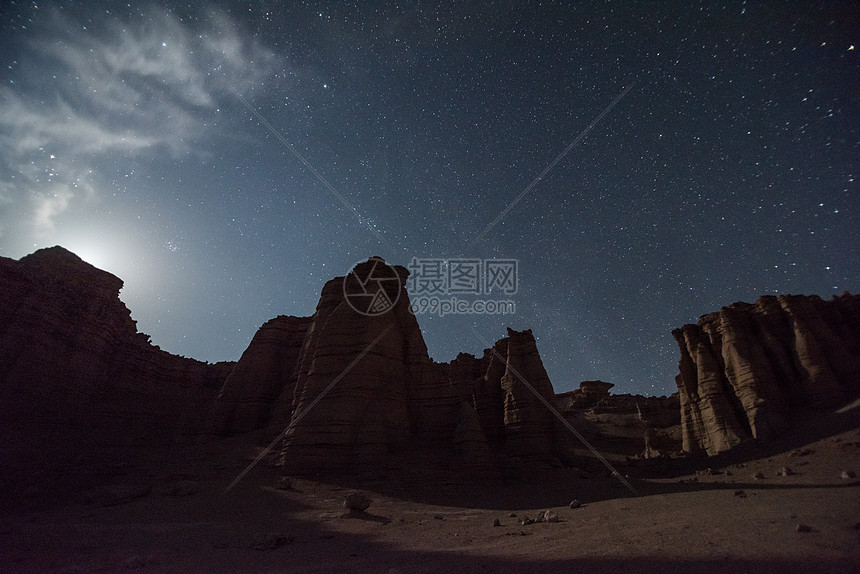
[167,511]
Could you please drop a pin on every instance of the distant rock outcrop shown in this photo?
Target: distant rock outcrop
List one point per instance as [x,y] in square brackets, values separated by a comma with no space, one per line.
[77,378]
[748,368]
[633,425]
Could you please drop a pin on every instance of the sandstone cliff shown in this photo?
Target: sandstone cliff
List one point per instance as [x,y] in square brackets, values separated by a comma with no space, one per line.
[359,390]
[76,378]
[355,389]
[262,379]
[746,370]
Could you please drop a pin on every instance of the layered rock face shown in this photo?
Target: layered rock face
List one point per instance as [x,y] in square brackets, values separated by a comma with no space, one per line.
[347,388]
[261,379]
[747,369]
[632,425]
[529,424]
[350,399]
[351,390]
[75,375]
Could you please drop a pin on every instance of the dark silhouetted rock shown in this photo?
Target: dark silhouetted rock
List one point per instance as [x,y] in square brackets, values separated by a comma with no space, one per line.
[365,394]
[365,415]
[78,384]
[529,424]
[262,376]
[349,391]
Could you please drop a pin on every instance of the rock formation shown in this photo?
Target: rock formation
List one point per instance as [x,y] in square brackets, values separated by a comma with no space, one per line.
[76,378]
[261,379]
[353,390]
[79,384]
[352,387]
[632,425]
[746,370]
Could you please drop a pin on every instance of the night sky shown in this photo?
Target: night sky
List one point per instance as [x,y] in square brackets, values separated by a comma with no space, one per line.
[226,159]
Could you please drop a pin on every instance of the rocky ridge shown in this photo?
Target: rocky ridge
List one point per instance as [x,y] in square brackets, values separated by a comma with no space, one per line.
[377,396]
[78,383]
[81,387]
[747,370]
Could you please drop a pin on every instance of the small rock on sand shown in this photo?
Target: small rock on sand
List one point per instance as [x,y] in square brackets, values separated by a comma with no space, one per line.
[550,516]
[356,501]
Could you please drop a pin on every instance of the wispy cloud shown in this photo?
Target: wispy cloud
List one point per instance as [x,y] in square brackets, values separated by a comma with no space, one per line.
[79,96]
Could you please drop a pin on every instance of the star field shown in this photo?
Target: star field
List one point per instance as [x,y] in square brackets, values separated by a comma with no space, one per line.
[226,159]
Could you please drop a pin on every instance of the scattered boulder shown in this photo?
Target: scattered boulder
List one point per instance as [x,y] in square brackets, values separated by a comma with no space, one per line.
[848,474]
[549,516]
[575,503]
[803,528]
[356,502]
[759,475]
[497,522]
[785,471]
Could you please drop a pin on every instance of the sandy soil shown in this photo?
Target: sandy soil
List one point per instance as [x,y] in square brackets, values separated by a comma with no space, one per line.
[170,514]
